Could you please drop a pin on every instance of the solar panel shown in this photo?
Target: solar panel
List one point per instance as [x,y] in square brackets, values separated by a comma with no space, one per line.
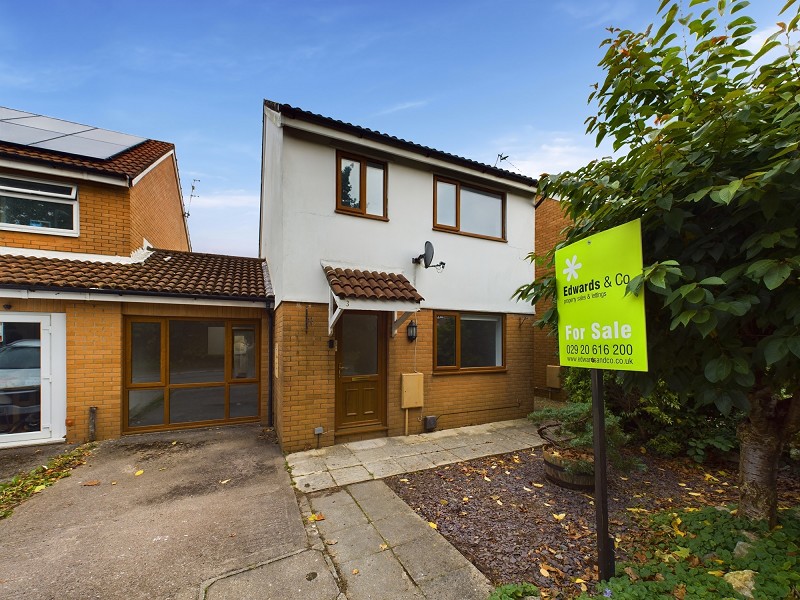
[38,131]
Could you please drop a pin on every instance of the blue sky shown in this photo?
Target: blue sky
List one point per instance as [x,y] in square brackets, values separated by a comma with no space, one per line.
[471,77]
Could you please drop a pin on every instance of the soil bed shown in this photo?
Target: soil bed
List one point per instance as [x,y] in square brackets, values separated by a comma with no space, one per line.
[514,525]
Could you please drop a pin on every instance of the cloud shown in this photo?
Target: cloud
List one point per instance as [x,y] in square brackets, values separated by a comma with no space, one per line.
[400,107]
[548,151]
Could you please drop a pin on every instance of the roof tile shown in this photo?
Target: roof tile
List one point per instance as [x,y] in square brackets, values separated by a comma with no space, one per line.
[370,285]
[129,163]
[164,272]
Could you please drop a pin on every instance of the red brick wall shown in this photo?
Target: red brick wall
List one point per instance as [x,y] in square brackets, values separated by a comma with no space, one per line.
[95,351]
[305,385]
[104,221]
[550,220]
[157,211]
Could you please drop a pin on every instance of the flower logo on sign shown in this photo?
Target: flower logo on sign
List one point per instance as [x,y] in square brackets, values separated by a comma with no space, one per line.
[572,268]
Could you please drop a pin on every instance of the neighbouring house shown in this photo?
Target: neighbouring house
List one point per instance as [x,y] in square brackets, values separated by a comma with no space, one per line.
[375,334]
[109,324]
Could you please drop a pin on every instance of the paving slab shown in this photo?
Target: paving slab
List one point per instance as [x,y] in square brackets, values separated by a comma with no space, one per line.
[384,468]
[303,575]
[355,542]
[466,582]
[340,461]
[429,557]
[417,462]
[314,482]
[378,577]
[349,475]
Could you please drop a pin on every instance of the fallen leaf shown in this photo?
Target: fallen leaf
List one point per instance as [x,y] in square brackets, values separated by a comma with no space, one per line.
[224,481]
[443,502]
[173,443]
[93,482]
[433,525]
[139,472]
[544,572]
[39,488]
[716,573]
[384,547]
[486,478]
[404,480]
[355,571]
[527,489]
[631,573]
[316,517]
[465,499]
[113,483]
[695,494]
[560,516]
[538,485]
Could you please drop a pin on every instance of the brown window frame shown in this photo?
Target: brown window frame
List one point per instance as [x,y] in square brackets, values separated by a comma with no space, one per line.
[364,162]
[457,368]
[164,383]
[457,228]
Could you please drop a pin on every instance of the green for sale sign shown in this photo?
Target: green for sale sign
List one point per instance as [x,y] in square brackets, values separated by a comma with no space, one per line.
[599,326]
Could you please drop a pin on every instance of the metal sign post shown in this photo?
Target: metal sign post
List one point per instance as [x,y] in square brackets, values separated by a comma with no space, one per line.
[605,545]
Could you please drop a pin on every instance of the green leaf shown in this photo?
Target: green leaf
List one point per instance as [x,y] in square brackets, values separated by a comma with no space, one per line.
[713,281]
[776,276]
[775,349]
[718,369]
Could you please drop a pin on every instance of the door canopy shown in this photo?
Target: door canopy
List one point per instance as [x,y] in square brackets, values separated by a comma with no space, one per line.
[354,289]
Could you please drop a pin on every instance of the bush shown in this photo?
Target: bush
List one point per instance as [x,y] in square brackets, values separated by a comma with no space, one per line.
[514,591]
[659,420]
[692,550]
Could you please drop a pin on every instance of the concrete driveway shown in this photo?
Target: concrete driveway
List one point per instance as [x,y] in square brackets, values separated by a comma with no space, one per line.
[208,502]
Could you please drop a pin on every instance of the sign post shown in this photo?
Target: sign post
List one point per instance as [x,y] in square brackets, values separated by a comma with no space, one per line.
[601,326]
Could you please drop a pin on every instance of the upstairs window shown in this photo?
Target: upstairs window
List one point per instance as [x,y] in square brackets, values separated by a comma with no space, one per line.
[468,210]
[38,206]
[360,186]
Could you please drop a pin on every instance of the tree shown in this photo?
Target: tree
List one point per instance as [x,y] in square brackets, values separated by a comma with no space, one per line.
[710,134]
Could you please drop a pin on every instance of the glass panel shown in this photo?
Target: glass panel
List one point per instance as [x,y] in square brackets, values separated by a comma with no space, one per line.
[375,182]
[244,353]
[145,352]
[20,377]
[445,341]
[359,344]
[445,204]
[145,407]
[38,186]
[196,404]
[481,212]
[196,351]
[481,341]
[36,213]
[244,400]
[350,194]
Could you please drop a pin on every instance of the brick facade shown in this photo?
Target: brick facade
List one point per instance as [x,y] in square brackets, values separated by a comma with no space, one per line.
[550,221]
[104,220]
[157,210]
[305,386]
[95,351]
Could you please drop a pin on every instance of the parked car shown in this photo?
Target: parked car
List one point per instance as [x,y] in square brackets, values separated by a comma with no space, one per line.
[20,386]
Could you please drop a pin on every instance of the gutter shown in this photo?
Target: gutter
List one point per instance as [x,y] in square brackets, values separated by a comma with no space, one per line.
[271,361]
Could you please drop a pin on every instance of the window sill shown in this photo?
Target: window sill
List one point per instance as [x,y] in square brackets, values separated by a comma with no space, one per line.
[362,215]
[474,371]
[38,230]
[472,235]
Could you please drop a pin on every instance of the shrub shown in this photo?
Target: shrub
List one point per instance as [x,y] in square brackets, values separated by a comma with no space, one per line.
[693,549]
[514,591]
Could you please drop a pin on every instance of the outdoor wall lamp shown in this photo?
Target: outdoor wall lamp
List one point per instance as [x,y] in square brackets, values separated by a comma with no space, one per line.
[411,331]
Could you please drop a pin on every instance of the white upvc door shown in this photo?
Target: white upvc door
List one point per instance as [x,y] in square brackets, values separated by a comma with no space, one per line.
[32,378]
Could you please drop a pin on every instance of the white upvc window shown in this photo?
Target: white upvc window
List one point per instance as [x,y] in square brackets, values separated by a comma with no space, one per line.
[37,206]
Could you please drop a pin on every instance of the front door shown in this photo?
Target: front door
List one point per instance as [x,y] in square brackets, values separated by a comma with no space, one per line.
[361,369]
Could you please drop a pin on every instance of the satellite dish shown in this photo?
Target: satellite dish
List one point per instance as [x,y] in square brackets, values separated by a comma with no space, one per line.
[428,256]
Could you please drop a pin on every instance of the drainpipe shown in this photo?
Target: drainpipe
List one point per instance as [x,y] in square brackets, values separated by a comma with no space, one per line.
[92,423]
[271,354]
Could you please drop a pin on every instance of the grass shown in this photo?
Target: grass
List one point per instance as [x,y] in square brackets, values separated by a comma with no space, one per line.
[25,485]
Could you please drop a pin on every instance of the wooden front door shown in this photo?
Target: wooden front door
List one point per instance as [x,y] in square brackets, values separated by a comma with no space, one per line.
[361,370]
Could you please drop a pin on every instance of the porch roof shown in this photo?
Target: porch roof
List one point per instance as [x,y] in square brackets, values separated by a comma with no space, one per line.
[355,284]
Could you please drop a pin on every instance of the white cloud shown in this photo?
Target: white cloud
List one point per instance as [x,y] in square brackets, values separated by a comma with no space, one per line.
[400,107]
[224,200]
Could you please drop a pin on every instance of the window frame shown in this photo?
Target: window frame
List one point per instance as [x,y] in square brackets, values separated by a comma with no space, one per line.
[70,199]
[364,162]
[457,368]
[457,228]
[165,384]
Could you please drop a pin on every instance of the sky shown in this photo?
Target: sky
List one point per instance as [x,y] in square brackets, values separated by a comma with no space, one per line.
[476,78]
